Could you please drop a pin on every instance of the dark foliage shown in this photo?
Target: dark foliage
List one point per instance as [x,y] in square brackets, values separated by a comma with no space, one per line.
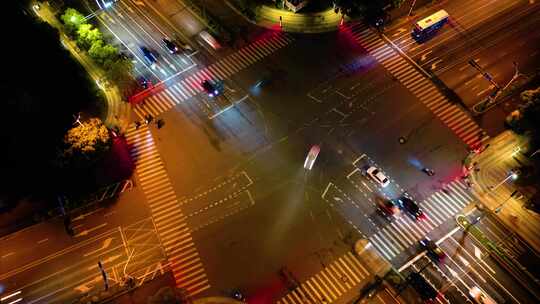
[42,87]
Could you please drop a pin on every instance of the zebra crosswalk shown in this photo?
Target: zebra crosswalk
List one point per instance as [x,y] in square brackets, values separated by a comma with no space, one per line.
[172,229]
[334,280]
[419,84]
[222,69]
[403,232]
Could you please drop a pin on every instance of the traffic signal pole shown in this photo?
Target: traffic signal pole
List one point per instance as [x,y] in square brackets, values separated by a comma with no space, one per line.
[104,274]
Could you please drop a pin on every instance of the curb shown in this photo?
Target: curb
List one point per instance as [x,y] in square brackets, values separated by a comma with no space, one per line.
[322,22]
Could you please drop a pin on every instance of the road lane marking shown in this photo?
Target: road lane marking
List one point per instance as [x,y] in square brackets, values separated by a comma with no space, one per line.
[354,171]
[106,243]
[43,240]
[11,295]
[87,231]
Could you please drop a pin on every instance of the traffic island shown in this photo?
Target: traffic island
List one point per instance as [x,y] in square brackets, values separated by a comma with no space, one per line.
[320,22]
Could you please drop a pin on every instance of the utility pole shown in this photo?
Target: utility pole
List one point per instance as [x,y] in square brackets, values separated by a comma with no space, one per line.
[104,274]
[412,6]
[484,73]
[498,209]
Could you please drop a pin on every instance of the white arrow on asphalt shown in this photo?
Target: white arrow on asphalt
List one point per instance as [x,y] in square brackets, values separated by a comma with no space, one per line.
[399,31]
[106,243]
[424,56]
[477,252]
[434,65]
[82,216]
[87,231]
[465,262]
[452,272]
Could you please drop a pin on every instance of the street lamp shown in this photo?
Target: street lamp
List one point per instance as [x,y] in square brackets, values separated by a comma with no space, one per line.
[516,75]
[498,209]
[513,174]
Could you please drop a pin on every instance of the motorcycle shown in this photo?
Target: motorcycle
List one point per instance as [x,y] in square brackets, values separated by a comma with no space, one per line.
[428,171]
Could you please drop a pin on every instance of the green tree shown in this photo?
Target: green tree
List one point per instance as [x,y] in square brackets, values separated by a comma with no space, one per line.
[85,143]
[103,54]
[72,19]
[397,3]
[119,71]
[87,36]
[531,97]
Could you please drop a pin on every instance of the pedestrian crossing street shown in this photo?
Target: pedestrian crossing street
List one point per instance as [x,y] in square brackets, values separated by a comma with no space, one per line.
[334,280]
[222,69]
[174,234]
[404,232]
[420,85]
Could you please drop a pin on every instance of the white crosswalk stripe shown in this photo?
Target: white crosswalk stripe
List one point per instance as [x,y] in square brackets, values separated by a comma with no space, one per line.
[178,93]
[404,232]
[453,116]
[329,284]
[170,223]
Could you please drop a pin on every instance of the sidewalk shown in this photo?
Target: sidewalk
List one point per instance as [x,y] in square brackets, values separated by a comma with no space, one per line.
[268,17]
[490,186]
[118,111]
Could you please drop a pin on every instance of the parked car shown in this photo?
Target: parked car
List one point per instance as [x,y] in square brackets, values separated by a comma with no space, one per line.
[378,176]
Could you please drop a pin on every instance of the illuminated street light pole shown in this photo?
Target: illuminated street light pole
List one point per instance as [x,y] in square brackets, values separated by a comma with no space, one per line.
[516,75]
[498,209]
[77,119]
[513,174]
[412,6]
[101,8]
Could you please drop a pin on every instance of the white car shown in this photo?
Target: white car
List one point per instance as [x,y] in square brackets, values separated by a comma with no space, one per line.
[378,176]
[480,297]
[311,157]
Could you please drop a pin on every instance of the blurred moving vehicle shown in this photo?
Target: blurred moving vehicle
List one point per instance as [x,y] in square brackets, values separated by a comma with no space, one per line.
[171,46]
[378,176]
[143,82]
[427,27]
[212,88]
[432,250]
[311,157]
[210,40]
[480,297]
[148,55]
[388,208]
[411,207]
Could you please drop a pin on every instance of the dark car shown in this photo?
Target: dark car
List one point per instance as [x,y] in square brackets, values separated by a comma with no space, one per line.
[148,55]
[432,250]
[171,46]
[212,88]
[411,207]
[143,82]
[388,208]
